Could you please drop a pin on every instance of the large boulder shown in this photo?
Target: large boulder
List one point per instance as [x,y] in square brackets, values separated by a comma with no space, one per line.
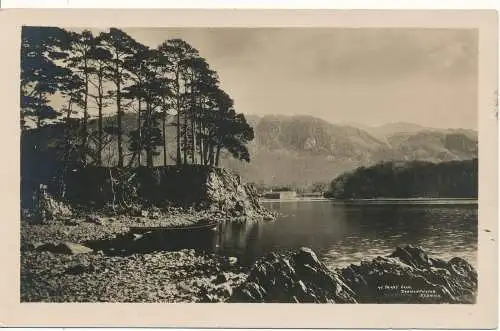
[225,190]
[407,275]
[296,277]
[410,275]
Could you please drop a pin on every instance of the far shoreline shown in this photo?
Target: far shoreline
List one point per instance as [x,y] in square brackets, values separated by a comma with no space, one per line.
[382,200]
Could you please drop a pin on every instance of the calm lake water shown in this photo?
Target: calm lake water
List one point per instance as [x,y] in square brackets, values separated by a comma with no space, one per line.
[344,233]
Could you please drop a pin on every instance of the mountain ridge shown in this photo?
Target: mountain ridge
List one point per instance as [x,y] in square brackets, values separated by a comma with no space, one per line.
[302,150]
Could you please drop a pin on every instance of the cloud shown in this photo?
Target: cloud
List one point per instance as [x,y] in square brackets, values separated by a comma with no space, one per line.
[342,74]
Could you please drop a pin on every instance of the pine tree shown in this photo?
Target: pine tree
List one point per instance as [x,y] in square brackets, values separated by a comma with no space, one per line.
[41,77]
[137,65]
[81,64]
[120,45]
[100,72]
[178,53]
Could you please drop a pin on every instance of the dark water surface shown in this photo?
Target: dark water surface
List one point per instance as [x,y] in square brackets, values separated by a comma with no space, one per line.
[343,233]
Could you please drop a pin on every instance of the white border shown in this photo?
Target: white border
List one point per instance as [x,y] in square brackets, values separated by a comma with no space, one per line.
[284,4]
[260,4]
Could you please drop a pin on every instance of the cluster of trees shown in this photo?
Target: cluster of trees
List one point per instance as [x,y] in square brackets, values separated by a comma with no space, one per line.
[415,179]
[167,86]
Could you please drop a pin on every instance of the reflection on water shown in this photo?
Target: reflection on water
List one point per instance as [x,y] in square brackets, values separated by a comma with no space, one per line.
[344,233]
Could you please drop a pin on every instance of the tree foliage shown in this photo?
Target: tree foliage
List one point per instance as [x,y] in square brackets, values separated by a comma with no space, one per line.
[40,76]
[415,179]
[170,86]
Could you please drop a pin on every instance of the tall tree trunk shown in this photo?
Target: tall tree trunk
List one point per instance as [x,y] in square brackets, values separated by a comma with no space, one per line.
[164,139]
[206,152]
[99,122]
[178,117]
[119,114]
[85,113]
[149,157]
[139,135]
[70,107]
[201,129]
[67,149]
[193,120]
[201,143]
[193,138]
[132,159]
[178,123]
[185,137]
[211,155]
[149,148]
[217,155]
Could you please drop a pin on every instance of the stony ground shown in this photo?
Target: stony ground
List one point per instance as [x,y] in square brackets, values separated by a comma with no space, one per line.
[179,276]
[60,262]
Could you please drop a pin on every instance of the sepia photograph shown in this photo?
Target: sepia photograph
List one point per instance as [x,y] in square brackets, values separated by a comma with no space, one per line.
[183,165]
[228,164]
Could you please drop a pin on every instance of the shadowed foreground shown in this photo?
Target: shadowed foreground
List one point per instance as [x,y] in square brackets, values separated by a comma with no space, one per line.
[76,273]
[407,275]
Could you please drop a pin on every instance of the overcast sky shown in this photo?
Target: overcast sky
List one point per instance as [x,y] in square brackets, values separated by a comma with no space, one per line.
[367,76]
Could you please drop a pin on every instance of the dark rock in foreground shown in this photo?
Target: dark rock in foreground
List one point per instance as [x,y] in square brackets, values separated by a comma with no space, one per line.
[298,277]
[407,275]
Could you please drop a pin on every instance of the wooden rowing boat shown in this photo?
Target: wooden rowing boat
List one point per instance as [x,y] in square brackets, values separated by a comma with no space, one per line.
[210,226]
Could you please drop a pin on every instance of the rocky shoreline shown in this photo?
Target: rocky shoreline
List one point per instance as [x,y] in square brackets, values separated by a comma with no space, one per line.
[181,276]
[79,253]
[61,261]
[407,275]
[59,264]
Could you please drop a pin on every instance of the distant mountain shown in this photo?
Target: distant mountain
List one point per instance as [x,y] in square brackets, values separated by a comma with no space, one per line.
[383,131]
[433,145]
[301,150]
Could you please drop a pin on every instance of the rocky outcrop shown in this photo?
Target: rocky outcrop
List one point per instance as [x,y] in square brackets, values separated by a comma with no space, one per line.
[410,275]
[407,275]
[296,277]
[224,190]
[187,186]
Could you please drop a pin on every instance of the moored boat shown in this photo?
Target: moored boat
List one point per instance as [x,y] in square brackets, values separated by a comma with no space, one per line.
[209,225]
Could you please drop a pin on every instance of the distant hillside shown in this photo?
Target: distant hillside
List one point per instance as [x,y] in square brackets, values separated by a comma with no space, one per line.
[302,150]
[454,179]
[433,145]
[382,132]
